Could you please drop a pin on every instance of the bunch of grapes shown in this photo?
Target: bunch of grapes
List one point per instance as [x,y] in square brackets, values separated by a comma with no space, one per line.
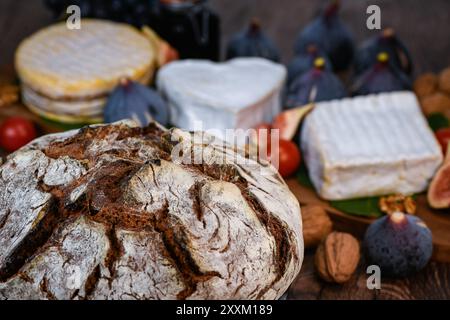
[136,12]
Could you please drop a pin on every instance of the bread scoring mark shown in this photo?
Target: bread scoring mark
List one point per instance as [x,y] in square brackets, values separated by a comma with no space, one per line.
[90,284]
[114,253]
[78,146]
[37,238]
[4,218]
[283,252]
[103,199]
[195,194]
[177,245]
[43,285]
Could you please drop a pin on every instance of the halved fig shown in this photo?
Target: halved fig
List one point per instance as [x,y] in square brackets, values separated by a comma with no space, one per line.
[439,190]
[289,121]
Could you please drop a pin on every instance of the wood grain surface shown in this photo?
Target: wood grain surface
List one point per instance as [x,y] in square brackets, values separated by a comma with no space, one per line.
[431,283]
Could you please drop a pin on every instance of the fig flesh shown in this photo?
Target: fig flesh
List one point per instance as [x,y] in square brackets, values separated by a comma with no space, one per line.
[400,244]
[328,32]
[439,190]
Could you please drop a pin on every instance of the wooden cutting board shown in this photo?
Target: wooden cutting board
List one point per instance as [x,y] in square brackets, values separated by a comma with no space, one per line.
[437,221]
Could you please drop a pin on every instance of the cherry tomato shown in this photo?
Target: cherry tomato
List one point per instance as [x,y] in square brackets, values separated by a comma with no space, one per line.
[289,158]
[16,132]
[443,136]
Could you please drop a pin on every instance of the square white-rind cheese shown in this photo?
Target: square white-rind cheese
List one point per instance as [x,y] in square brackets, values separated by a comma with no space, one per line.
[237,94]
[369,146]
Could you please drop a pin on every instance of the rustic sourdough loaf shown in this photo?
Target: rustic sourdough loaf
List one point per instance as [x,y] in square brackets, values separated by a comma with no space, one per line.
[107,213]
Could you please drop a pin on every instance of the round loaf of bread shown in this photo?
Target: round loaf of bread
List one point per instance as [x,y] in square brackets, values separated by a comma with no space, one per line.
[119,212]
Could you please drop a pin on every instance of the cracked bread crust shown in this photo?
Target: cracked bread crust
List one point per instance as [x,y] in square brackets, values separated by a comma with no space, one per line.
[106,213]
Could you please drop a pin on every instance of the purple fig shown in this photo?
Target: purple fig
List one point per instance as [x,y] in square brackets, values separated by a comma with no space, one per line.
[252,42]
[316,85]
[132,100]
[400,244]
[328,32]
[388,42]
[382,77]
[304,61]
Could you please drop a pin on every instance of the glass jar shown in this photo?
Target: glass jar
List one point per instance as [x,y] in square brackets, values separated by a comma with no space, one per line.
[190,27]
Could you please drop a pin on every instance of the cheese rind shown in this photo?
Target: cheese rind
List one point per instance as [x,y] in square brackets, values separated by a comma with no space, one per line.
[240,93]
[369,146]
[62,63]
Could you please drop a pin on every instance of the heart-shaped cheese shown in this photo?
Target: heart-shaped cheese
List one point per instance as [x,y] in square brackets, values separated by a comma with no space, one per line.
[239,93]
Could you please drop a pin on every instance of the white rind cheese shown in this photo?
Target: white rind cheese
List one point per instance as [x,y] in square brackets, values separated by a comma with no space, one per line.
[237,94]
[369,146]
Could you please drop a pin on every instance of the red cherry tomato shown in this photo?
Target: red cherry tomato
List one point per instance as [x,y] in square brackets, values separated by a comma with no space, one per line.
[16,132]
[443,136]
[289,158]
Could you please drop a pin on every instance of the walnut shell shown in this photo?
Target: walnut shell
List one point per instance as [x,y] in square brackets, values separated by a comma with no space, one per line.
[425,85]
[316,225]
[337,257]
[444,81]
[397,203]
[9,94]
[437,102]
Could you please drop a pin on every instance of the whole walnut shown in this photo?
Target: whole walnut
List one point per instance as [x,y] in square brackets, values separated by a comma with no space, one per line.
[425,85]
[437,102]
[337,257]
[316,225]
[444,81]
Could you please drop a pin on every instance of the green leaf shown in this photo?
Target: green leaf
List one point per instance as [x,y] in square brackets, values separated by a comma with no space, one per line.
[367,207]
[303,177]
[438,121]
[63,126]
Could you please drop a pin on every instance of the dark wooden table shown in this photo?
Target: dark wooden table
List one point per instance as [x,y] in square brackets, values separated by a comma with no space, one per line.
[431,283]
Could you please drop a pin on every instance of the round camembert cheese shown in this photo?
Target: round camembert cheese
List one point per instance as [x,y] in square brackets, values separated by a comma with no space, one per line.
[67,74]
